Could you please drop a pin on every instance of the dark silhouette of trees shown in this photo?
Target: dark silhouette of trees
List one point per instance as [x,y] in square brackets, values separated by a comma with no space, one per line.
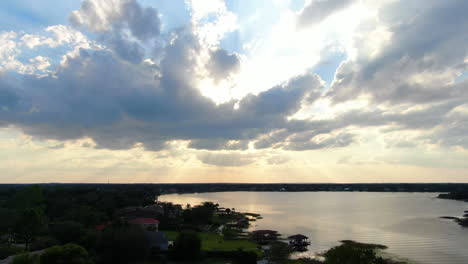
[123,243]
[187,245]
[30,223]
[350,252]
[67,231]
[279,252]
[200,215]
[8,217]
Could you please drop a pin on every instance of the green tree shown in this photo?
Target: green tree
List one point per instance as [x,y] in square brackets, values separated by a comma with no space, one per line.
[28,197]
[203,214]
[69,254]
[8,217]
[29,223]
[108,204]
[67,231]
[86,215]
[279,252]
[123,244]
[187,245]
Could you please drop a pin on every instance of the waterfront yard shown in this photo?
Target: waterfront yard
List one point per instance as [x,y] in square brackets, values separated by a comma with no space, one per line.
[215,242]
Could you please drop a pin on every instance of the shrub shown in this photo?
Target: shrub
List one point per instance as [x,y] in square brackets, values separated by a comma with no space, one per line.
[6,251]
[25,258]
[69,253]
[237,257]
[43,242]
[351,252]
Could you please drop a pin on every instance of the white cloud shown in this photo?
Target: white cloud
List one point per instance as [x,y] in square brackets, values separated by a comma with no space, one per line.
[135,88]
[233,159]
[98,16]
[8,51]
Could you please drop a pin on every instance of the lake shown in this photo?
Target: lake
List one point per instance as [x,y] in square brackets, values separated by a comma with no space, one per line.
[408,223]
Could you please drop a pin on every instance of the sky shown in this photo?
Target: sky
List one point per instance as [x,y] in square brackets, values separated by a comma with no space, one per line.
[131,91]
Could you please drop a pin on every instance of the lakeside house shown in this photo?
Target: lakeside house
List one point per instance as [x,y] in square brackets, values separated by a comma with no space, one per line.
[265,236]
[157,240]
[148,224]
[102,226]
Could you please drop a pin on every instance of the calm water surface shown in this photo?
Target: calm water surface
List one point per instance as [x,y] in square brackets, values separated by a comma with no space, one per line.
[408,223]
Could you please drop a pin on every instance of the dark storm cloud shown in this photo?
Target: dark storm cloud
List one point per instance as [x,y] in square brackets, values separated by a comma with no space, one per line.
[318,10]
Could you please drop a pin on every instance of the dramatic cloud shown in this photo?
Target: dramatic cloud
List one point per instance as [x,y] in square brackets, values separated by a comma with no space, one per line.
[318,10]
[222,64]
[120,78]
[99,16]
[226,159]
[418,62]
[98,94]
[124,25]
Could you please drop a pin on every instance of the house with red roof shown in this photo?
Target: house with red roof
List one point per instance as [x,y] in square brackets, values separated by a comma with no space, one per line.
[150,224]
[102,226]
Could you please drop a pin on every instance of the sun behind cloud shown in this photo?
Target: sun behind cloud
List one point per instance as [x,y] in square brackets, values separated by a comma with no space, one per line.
[203,91]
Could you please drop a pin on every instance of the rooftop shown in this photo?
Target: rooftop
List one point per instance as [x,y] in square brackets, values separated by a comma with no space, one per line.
[144,221]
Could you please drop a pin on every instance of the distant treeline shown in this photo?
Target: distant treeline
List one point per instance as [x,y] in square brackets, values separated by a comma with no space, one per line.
[456,189]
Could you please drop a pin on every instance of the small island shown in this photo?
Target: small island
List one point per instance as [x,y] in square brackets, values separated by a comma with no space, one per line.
[459,195]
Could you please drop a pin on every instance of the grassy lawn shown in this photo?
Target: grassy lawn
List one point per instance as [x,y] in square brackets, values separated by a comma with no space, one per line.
[215,242]
[171,235]
[212,241]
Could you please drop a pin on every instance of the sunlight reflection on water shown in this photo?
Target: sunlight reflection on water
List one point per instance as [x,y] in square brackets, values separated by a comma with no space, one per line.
[408,223]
